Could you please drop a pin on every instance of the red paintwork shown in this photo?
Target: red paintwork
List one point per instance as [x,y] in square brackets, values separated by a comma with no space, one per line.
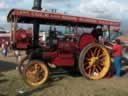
[58,17]
[21,45]
[66,47]
[20,35]
[66,50]
[63,56]
[59,59]
[50,54]
[66,59]
[22,39]
[85,39]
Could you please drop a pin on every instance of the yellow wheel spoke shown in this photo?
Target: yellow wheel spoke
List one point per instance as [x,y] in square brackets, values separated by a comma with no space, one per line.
[85,63]
[102,55]
[89,71]
[87,67]
[98,66]
[92,54]
[95,51]
[98,52]
[93,69]
[30,75]
[97,70]
[36,66]
[88,59]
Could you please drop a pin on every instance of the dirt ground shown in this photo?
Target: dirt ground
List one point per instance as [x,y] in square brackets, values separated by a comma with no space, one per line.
[11,83]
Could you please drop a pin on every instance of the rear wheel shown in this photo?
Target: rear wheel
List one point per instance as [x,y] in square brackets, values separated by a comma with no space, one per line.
[36,73]
[94,61]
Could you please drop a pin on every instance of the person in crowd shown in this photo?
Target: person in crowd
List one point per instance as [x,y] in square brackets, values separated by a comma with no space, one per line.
[117,54]
[4,47]
[17,55]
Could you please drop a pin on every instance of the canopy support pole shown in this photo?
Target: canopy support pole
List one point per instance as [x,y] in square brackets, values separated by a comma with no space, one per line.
[35,37]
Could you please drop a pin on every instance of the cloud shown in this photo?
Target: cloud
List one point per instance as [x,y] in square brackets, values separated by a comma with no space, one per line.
[67,6]
[109,9]
[3,19]
[103,8]
[7,5]
[59,4]
[11,1]
[58,1]
[3,6]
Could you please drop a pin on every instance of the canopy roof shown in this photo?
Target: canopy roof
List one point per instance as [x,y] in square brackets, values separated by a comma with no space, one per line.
[28,16]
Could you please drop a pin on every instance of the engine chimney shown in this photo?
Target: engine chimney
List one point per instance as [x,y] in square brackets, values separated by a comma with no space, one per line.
[37,5]
[36,26]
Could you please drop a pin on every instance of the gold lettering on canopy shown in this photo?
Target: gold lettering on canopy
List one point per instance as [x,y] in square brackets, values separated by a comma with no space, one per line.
[69,18]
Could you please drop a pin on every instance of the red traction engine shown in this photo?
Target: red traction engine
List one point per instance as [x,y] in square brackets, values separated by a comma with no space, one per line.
[71,51]
[74,51]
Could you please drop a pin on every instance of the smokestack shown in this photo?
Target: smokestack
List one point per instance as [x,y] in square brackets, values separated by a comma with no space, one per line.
[37,5]
[36,26]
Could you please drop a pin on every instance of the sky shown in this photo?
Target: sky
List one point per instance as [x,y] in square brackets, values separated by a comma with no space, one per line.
[108,9]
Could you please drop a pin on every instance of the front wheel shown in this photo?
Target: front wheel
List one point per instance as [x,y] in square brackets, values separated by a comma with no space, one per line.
[36,73]
[94,61]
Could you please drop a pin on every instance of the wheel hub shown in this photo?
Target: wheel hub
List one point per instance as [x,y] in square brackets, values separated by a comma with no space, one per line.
[93,60]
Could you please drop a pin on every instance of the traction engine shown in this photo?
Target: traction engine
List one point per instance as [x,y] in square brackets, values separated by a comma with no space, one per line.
[70,51]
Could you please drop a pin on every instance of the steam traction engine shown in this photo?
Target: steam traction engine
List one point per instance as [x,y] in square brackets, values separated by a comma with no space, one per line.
[72,51]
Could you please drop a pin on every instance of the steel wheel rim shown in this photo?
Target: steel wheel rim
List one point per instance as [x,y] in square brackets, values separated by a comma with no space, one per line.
[96,62]
[22,64]
[36,74]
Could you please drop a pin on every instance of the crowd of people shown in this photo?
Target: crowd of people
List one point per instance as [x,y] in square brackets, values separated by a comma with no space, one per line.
[5,47]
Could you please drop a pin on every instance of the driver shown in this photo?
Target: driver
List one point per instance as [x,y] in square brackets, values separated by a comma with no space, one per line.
[97,33]
[52,39]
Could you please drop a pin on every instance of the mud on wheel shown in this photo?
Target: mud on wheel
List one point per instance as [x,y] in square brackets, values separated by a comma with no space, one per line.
[94,61]
[35,73]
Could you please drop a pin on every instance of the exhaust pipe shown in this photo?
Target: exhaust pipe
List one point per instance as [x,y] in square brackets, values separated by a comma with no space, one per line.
[37,4]
[36,27]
